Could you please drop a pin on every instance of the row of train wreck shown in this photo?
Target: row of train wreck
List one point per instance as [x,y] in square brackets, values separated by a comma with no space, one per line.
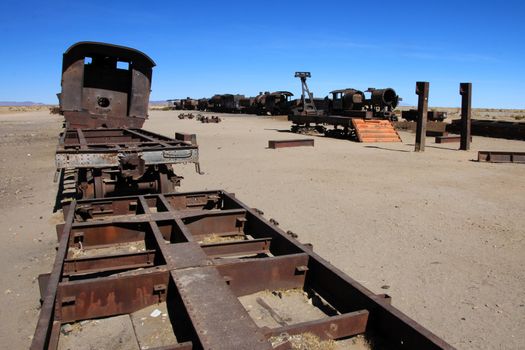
[161,269]
[341,101]
[382,102]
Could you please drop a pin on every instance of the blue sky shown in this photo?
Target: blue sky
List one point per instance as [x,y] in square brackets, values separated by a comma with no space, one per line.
[207,47]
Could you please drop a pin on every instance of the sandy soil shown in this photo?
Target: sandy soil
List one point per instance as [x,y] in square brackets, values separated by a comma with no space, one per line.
[509,115]
[443,235]
[18,109]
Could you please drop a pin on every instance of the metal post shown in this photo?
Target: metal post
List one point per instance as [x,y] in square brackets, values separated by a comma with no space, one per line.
[465,90]
[422,111]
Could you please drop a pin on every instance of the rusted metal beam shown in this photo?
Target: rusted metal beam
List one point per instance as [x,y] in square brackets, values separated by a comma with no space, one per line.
[81,139]
[436,133]
[422,88]
[97,235]
[219,318]
[46,334]
[236,248]
[465,90]
[191,138]
[109,263]
[335,327]
[273,144]
[492,128]
[432,126]
[109,296]
[449,139]
[253,275]
[501,157]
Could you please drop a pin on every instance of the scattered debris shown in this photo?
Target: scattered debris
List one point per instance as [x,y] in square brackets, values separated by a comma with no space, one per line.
[155,313]
[187,116]
[273,144]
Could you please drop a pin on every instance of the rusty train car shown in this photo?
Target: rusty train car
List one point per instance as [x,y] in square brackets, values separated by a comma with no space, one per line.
[345,102]
[266,103]
[202,264]
[103,151]
[105,85]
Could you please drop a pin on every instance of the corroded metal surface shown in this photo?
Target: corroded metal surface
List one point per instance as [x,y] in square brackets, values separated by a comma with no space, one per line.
[97,163]
[85,148]
[202,252]
[422,88]
[105,85]
[290,143]
[501,157]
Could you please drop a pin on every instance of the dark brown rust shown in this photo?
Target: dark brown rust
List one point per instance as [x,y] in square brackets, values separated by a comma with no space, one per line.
[501,157]
[203,250]
[422,88]
[290,143]
[465,90]
[109,162]
[435,116]
[492,128]
[449,139]
[336,327]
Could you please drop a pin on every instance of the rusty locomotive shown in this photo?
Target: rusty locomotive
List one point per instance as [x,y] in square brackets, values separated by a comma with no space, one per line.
[103,151]
[265,103]
[346,102]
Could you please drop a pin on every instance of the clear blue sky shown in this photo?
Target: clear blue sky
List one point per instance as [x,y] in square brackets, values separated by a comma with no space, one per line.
[207,47]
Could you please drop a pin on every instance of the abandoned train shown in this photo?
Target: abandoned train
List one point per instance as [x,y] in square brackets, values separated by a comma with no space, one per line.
[120,256]
[339,102]
[103,151]
[265,103]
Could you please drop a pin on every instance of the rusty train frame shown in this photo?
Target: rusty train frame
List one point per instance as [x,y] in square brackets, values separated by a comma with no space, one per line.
[97,163]
[200,281]
[204,311]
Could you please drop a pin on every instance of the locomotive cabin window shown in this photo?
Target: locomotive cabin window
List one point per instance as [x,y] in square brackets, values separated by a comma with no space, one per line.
[107,73]
[123,65]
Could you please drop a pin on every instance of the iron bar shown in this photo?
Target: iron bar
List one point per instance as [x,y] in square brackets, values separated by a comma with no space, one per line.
[449,139]
[465,90]
[501,157]
[273,144]
[422,88]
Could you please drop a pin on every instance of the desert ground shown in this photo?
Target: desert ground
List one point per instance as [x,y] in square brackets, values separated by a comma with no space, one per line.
[442,234]
[508,115]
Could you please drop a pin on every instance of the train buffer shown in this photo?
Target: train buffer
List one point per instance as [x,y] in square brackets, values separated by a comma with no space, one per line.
[375,130]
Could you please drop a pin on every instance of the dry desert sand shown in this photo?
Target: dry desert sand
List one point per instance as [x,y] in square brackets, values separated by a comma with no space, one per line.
[439,232]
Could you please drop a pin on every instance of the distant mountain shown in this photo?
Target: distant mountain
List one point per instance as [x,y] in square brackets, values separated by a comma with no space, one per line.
[21,104]
[156,103]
